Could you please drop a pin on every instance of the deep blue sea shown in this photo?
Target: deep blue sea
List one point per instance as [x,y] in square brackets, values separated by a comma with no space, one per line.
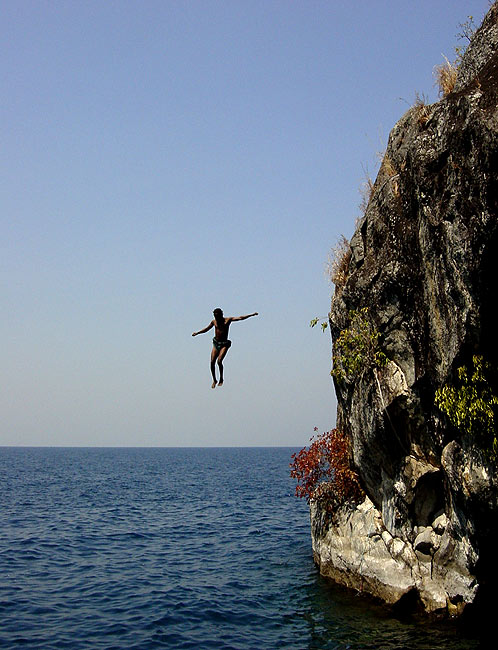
[173,548]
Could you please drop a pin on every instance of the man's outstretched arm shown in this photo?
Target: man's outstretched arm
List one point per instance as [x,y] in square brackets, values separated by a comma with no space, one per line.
[206,329]
[234,318]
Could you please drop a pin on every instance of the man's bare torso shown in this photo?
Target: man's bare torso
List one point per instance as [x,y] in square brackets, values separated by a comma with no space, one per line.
[221,331]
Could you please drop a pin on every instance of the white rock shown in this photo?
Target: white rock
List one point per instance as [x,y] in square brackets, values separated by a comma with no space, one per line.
[439,524]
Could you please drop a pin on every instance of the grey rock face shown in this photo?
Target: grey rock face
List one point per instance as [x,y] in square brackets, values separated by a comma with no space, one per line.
[425,263]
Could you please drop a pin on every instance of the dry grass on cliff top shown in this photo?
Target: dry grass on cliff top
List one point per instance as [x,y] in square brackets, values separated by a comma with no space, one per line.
[337,265]
[422,112]
[445,76]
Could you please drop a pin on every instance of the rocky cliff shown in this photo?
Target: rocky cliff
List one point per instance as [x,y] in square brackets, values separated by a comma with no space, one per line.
[423,267]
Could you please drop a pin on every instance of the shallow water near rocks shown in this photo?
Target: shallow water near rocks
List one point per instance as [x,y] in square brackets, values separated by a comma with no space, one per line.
[173,548]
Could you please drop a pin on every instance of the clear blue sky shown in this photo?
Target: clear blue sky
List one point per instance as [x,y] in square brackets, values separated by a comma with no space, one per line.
[162,158]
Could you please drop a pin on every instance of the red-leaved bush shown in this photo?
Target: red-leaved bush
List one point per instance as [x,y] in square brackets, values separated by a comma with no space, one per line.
[323,471]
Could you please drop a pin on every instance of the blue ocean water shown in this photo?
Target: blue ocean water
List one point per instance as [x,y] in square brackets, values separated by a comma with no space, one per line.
[172,548]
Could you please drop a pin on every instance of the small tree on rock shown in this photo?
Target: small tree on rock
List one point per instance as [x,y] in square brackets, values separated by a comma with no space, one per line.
[324,473]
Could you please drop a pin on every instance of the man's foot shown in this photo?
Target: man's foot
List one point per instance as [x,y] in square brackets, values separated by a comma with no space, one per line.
[213,385]
[220,383]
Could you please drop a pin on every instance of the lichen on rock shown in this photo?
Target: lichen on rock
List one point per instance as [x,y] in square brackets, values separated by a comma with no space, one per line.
[424,262]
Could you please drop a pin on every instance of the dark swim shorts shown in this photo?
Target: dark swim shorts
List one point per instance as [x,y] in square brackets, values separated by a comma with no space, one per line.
[221,344]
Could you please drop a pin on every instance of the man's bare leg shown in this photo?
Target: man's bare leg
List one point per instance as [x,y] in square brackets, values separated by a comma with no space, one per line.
[221,356]
[214,356]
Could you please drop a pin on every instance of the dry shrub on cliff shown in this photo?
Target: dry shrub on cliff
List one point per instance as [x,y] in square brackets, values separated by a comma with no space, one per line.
[445,75]
[337,265]
[387,166]
[323,471]
[421,110]
[366,191]
[468,29]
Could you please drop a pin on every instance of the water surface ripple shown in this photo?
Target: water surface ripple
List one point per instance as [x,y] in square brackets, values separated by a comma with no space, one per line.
[172,548]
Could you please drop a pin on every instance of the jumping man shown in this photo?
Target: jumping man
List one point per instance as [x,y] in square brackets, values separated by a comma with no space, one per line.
[221,344]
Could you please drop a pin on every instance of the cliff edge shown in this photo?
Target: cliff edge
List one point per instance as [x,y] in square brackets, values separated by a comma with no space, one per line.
[422,275]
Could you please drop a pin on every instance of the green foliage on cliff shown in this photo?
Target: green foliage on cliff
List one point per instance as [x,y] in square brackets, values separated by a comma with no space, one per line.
[470,406]
[324,324]
[356,349]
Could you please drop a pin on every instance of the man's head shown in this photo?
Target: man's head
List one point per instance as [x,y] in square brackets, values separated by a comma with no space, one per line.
[218,313]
